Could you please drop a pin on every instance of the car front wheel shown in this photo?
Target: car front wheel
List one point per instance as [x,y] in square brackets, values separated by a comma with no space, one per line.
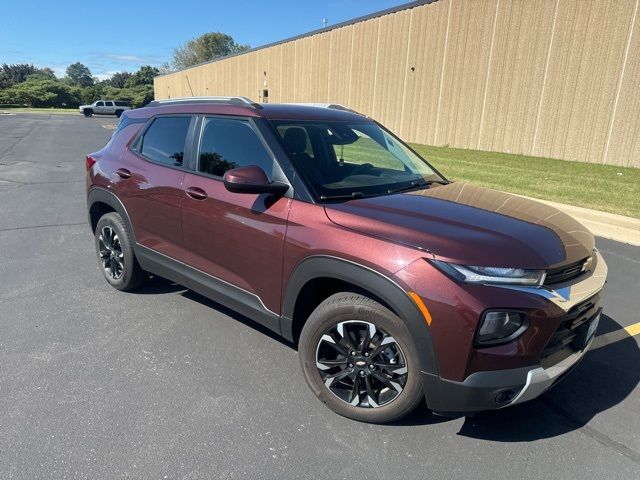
[358,358]
[87,112]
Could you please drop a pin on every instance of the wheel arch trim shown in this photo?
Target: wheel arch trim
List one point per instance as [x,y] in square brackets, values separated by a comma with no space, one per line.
[101,195]
[368,279]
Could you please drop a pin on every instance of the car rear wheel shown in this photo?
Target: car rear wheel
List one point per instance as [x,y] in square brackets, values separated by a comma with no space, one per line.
[358,358]
[118,113]
[87,112]
[115,253]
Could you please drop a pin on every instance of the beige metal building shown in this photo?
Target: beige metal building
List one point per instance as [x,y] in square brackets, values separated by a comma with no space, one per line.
[551,78]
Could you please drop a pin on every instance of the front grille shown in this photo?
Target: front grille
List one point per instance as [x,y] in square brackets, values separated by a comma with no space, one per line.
[564,273]
[567,338]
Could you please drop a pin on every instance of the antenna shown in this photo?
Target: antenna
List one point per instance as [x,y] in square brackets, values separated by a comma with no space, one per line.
[324,23]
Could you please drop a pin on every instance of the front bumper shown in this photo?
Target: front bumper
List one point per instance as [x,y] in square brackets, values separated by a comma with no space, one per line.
[493,389]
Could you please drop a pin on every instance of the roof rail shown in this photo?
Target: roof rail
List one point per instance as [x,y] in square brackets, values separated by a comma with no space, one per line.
[243,101]
[334,106]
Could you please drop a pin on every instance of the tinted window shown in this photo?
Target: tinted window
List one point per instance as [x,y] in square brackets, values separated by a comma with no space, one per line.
[108,104]
[165,139]
[100,104]
[230,143]
[122,104]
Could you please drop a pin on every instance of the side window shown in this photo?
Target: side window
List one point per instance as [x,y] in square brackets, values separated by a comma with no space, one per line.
[108,104]
[228,143]
[165,139]
[100,104]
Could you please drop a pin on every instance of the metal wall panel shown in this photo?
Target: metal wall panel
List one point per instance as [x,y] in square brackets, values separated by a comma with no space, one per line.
[623,142]
[340,57]
[363,65]
[585,61]
[516,75]
[555,78]
[424,76]
[391,56]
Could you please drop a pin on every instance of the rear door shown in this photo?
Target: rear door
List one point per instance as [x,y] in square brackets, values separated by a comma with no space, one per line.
[109,108]
[237,238]
[151,183]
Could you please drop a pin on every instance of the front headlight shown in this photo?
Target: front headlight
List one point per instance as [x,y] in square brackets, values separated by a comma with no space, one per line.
[495,275]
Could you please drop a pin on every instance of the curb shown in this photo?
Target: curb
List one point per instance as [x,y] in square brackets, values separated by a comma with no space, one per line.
[608,225]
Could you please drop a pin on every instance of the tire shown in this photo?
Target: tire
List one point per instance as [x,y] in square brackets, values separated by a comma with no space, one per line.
[115,255]
[377,401]
[118,113]
[87,112]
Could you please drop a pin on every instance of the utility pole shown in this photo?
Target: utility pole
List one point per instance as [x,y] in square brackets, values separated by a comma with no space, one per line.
[324,23]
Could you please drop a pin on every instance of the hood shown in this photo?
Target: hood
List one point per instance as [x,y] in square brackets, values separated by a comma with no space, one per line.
[470,225]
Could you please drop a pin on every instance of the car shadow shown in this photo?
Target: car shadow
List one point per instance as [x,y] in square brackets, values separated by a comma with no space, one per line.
[196,297]
[606,376]
[155,285]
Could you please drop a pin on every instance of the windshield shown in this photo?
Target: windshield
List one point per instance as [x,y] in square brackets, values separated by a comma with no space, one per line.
[341,159]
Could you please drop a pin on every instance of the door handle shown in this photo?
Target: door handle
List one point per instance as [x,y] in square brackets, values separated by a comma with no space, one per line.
[196,193]
[123,173]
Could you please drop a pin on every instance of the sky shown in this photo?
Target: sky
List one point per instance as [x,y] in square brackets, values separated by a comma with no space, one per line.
[118,36]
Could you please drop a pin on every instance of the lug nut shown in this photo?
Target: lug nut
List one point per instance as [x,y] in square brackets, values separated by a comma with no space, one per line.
[366,354]
[352,353]
[372,367]
[362,374]
[351,365]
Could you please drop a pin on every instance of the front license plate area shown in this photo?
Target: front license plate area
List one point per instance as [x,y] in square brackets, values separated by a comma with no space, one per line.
[587,332]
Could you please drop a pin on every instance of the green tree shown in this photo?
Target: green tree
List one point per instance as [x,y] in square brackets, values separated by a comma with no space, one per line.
[13,74]
[144,76]
[43,74]
[118,79]
[90,94]
[204,48]
[79,75]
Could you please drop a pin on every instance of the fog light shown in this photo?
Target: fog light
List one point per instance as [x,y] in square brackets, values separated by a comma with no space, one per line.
[500,326]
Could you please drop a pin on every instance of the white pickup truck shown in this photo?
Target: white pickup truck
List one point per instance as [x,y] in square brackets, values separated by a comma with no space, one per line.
[105,107]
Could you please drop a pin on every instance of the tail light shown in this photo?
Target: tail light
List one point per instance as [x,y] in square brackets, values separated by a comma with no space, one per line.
[90,162]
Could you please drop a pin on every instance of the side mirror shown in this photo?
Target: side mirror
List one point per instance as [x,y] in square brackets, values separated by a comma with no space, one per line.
[252,179]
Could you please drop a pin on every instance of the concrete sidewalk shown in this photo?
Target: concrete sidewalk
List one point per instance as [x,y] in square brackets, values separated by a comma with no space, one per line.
[608,225]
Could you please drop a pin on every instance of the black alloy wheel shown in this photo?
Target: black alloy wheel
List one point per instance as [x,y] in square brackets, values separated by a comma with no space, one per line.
[111,254]
[361,364]
[359,359]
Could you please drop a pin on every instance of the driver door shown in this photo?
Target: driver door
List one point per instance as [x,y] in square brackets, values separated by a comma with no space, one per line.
[235,237]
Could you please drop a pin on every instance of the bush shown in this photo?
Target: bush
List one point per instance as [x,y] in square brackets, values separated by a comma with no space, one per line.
[38,91]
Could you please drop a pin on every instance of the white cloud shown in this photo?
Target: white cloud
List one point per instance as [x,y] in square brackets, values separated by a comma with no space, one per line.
[104,75]
[126,58]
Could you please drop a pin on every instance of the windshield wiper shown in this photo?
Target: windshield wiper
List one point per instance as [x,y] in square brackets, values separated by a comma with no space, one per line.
[412,185]
[347,196]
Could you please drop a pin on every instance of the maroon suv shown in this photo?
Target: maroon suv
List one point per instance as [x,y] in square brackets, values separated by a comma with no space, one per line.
[317,222]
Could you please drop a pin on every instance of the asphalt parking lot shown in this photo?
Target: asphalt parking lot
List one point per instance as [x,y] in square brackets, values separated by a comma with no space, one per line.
[95,383]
